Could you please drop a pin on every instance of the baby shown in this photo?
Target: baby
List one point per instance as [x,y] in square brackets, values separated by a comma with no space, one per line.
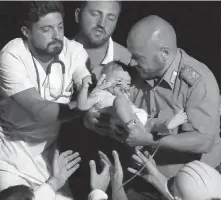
[115,99]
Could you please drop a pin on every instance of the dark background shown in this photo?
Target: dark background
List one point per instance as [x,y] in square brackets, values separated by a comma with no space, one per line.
[198,25]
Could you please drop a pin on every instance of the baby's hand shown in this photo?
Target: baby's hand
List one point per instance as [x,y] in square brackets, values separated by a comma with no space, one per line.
[86,81]
[178,119]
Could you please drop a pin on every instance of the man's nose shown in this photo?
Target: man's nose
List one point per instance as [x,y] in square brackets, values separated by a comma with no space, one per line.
[56,34]
[102,21]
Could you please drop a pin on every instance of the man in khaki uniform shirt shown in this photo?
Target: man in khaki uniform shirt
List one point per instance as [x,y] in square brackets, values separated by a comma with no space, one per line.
[171,80]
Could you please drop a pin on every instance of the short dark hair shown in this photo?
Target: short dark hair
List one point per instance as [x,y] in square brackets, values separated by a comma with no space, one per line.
[18,192]
[82,4]
[33,10]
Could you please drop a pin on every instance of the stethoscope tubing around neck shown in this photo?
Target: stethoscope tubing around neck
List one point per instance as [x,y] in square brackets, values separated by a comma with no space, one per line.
[47,80]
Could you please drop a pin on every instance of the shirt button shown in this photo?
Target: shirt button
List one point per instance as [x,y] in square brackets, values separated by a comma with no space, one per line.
[154,89]
[153,110]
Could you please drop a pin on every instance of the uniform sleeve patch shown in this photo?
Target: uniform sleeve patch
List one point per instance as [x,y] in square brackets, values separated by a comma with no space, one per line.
[189,75]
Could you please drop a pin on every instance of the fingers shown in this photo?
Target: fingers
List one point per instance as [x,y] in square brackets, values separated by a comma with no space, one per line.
[93,169]
[72,170]
[133,171]
[104,157]
[72,156]
[103,86]
[146,153]
[66,153]
[106,167]
[72,163]
[137,159]
[117,163]
[101,79]
[142,157]
[180,112]
[138,148]
[91,118]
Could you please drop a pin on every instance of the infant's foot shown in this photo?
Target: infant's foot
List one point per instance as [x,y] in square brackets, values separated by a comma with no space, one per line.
[178,119]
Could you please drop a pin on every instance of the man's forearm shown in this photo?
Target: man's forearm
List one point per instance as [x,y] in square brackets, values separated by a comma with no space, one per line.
[47,112]
[192,142]
[36,110]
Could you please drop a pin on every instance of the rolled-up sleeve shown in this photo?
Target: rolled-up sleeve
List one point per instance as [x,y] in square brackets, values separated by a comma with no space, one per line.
[13,75]
[202,108]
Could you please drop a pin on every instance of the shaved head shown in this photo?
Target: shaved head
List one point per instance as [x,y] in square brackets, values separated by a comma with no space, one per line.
[155,29]
[154,36]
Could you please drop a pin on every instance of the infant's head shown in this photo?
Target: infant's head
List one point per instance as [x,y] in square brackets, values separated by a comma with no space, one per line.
[118,75]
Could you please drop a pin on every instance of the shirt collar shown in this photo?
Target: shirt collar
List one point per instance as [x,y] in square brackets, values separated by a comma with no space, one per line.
[172,72]
[110,53]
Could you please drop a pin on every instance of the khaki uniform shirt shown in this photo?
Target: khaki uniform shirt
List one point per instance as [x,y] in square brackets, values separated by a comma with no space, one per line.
[189,85]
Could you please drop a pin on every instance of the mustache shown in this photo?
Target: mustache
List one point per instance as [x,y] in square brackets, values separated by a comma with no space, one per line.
[55,42]
[98,28]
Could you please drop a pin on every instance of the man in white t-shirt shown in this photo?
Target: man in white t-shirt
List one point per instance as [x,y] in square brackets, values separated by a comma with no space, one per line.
[36,98]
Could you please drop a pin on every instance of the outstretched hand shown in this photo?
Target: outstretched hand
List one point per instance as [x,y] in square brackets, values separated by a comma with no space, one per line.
[150,173]
[64,165]
[99,181]
[116,171]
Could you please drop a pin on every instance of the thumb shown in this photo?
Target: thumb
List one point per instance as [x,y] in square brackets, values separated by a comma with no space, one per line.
[93,170]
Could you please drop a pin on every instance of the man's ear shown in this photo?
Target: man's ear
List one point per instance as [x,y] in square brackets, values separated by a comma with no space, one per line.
[164,53]
[77,15]
[25,31]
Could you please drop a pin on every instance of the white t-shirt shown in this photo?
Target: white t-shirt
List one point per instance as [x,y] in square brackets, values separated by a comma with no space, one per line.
[19,155]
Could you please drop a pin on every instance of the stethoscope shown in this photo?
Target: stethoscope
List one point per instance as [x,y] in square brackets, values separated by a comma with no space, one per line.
[47,79]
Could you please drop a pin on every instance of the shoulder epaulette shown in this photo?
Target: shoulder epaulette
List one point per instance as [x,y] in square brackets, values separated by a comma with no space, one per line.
[189,75]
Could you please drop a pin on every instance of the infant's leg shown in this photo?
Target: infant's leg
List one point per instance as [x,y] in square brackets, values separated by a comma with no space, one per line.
[123,109]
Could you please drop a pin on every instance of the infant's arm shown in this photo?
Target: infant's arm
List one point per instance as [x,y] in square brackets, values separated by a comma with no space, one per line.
[85,102]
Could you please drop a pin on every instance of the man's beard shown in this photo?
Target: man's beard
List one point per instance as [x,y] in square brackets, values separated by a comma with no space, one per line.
[96,41]
[54,52]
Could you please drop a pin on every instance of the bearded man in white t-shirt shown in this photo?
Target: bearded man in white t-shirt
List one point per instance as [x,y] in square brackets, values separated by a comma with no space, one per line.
[35,96]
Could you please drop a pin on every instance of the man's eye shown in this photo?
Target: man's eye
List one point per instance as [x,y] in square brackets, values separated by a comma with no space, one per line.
[112,18]
[94,13]
[46,29]
[61,27]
